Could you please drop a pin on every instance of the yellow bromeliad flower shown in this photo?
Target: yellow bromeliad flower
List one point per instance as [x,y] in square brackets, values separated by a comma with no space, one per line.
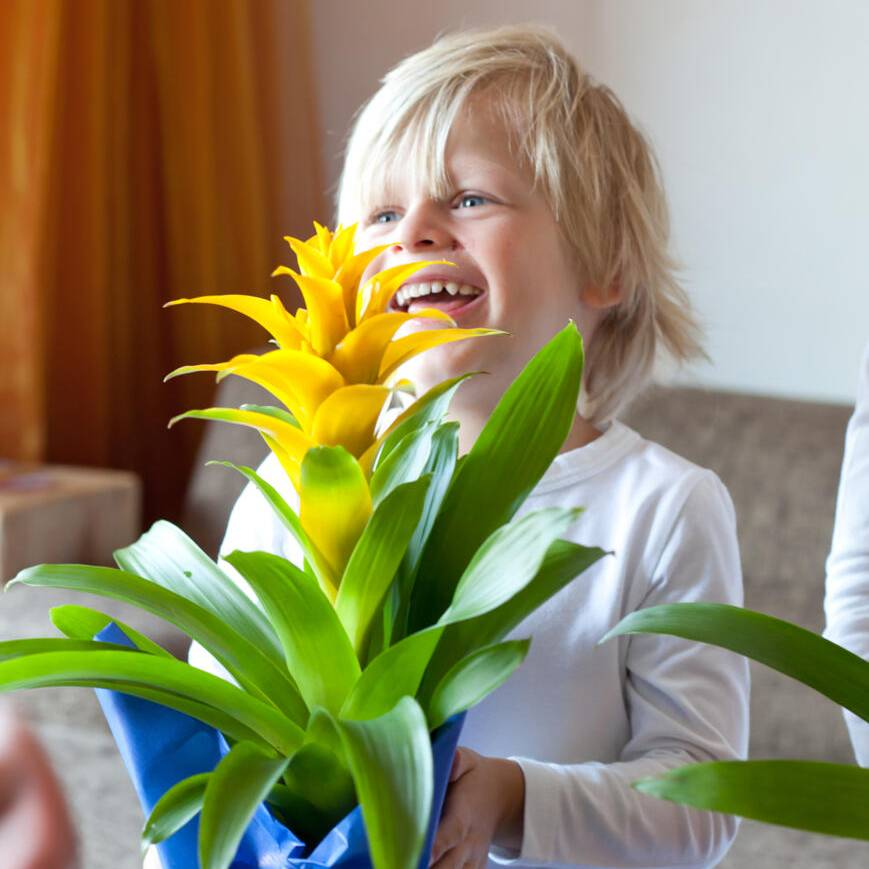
[333,361]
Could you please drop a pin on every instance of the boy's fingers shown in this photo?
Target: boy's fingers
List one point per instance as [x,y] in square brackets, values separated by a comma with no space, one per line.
[449,835]
[452,859]
[461,763]
[456,765]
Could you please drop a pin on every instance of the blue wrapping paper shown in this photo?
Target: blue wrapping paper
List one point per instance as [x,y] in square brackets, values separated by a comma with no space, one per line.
[161,746]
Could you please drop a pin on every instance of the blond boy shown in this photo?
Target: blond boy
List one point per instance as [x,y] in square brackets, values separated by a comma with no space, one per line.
[493,150]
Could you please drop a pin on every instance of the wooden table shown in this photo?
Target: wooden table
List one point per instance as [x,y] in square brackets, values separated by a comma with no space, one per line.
[63,514]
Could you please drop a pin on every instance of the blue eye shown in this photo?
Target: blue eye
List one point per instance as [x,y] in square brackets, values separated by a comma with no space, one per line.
[385,217]
[471,200]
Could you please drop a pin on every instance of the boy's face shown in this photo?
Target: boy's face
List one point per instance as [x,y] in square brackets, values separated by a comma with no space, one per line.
[514,269]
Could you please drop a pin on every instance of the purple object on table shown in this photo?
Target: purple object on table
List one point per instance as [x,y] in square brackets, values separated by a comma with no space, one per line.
[161,746]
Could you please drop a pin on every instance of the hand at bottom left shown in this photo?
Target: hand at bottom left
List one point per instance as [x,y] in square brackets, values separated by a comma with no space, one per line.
[35,828]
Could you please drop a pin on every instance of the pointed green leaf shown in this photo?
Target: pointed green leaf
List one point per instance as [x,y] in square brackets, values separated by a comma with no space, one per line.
[174,809]
[226,723]
[323,730]
[807,657]
[440,466]
[11,649]
[507,562]
[474,677]
[376,558]
[523,435]
[391,762]
[317,782]
[806,795]
[429,407]
[239,783]
[244,661]
[289,519]
[318,653]
[167,556]
[404,464]
[394,673]
[84,623]
[335,503]
[108,669]
[297,812]
[564,561]
[280,413]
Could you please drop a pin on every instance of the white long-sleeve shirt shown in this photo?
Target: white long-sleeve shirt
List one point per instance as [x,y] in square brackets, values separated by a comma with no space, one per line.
[847,593]
[583,720]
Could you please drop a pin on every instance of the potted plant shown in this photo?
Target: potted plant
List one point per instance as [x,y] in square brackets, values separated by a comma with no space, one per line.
[807,795]
[350,663]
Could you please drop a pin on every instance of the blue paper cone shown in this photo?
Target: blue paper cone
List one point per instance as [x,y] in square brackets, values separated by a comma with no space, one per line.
[161,747]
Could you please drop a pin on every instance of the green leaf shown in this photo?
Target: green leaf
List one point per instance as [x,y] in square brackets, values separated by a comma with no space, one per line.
[84,623]
[440,466]
[523,435]
[167,556]
[323,730]
[507,562]
[429,407]
[216,718]
[290,520]
[317,782]
[404,464]
[244,661]
[475,676]
[335,503]
[807,657]
[391,762]
[162,676]
[174,809]
[318,653]
[806,795]
[394,673]
[280,413]
[376,557]
[239,783]
[11,649]
[296,811]
[563,562]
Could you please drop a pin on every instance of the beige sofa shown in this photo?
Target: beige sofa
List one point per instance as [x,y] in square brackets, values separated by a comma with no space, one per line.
[780,460]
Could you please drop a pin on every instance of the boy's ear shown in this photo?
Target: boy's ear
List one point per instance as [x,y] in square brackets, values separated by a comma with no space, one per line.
[601,297]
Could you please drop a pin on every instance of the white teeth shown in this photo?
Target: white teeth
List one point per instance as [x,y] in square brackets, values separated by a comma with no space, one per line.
[431,288]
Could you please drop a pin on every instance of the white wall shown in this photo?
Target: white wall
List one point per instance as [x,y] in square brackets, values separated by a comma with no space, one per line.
[757,110]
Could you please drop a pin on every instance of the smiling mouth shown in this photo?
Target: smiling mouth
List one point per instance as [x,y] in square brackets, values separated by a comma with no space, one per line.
[446,296]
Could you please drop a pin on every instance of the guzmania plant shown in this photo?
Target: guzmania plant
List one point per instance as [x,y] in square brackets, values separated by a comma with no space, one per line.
[820,797]
[415,569]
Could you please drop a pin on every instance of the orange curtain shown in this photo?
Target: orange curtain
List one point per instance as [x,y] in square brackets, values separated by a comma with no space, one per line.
[153,150]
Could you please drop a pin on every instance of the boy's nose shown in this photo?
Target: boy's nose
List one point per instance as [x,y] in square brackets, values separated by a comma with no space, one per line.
[422,230]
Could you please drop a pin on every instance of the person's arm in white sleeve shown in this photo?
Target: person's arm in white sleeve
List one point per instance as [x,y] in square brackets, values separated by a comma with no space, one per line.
[253,527]
[847,593]
[687,702]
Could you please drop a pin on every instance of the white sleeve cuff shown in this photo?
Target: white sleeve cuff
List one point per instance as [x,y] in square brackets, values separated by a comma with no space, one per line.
[540,817]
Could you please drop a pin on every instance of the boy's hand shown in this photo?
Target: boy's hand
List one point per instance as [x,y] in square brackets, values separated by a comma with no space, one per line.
[484,804]
[35,828]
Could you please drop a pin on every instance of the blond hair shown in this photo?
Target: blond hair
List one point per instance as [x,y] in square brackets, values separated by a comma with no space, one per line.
[595,168]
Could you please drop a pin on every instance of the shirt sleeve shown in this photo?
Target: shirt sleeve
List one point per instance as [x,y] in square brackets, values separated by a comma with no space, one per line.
[687,702]
[847,591]
[253,527]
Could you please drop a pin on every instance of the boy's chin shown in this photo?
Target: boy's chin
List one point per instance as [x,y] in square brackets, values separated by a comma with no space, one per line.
[442,363]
